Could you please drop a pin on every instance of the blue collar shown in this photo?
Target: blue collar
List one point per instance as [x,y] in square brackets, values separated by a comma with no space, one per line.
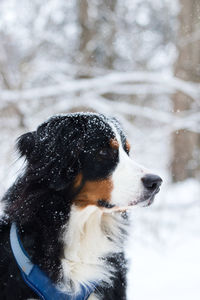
[36,279]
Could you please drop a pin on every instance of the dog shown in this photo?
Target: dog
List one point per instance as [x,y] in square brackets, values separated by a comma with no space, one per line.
[66,214]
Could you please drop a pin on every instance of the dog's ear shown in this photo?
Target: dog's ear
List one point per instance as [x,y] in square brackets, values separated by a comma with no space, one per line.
[26,143]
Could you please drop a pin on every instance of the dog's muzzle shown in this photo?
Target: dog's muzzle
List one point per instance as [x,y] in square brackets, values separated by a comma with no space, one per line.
[151,184]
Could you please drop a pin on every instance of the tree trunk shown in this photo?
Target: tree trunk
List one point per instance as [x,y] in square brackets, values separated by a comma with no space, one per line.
[97,33]
[186,153]
[87,33]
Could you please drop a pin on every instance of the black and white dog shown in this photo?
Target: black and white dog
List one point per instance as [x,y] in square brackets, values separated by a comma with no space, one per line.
[69,210]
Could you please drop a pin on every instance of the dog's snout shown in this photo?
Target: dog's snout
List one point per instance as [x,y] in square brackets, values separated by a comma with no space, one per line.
[151,182]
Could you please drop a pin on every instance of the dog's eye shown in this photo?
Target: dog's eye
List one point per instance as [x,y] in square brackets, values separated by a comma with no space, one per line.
[107,153]
[104,153]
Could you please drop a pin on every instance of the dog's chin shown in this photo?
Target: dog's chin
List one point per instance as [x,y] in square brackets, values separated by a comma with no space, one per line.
[142,202]
[145,200]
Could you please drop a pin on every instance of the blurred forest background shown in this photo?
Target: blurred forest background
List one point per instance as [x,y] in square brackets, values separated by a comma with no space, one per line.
[138,60]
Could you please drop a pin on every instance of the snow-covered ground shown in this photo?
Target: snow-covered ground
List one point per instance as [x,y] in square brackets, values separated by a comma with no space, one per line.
[165,250]
[170,274]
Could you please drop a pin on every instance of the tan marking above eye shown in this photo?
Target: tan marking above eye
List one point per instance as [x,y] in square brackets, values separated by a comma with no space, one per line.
[128,146]
[93,191]
[114,144]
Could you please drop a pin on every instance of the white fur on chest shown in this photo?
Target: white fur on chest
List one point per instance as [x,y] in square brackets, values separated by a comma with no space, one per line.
[90,236]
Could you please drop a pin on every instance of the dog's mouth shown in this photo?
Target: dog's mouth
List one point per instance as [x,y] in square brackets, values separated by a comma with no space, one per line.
[146,200]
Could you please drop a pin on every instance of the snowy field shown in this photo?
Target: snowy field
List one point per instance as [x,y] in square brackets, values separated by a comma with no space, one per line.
[165,251]
[172,273]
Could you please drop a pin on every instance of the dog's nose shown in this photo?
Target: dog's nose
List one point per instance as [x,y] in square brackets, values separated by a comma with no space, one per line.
[151,182]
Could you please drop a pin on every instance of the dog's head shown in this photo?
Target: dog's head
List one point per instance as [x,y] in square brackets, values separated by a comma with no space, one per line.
[87,156]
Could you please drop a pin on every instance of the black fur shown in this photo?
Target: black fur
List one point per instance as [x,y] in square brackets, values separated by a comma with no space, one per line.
[40,199]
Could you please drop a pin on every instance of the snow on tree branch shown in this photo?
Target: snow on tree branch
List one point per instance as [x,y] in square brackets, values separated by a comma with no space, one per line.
[115,82]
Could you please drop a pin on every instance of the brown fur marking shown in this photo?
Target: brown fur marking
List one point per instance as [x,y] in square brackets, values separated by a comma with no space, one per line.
[93,191]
